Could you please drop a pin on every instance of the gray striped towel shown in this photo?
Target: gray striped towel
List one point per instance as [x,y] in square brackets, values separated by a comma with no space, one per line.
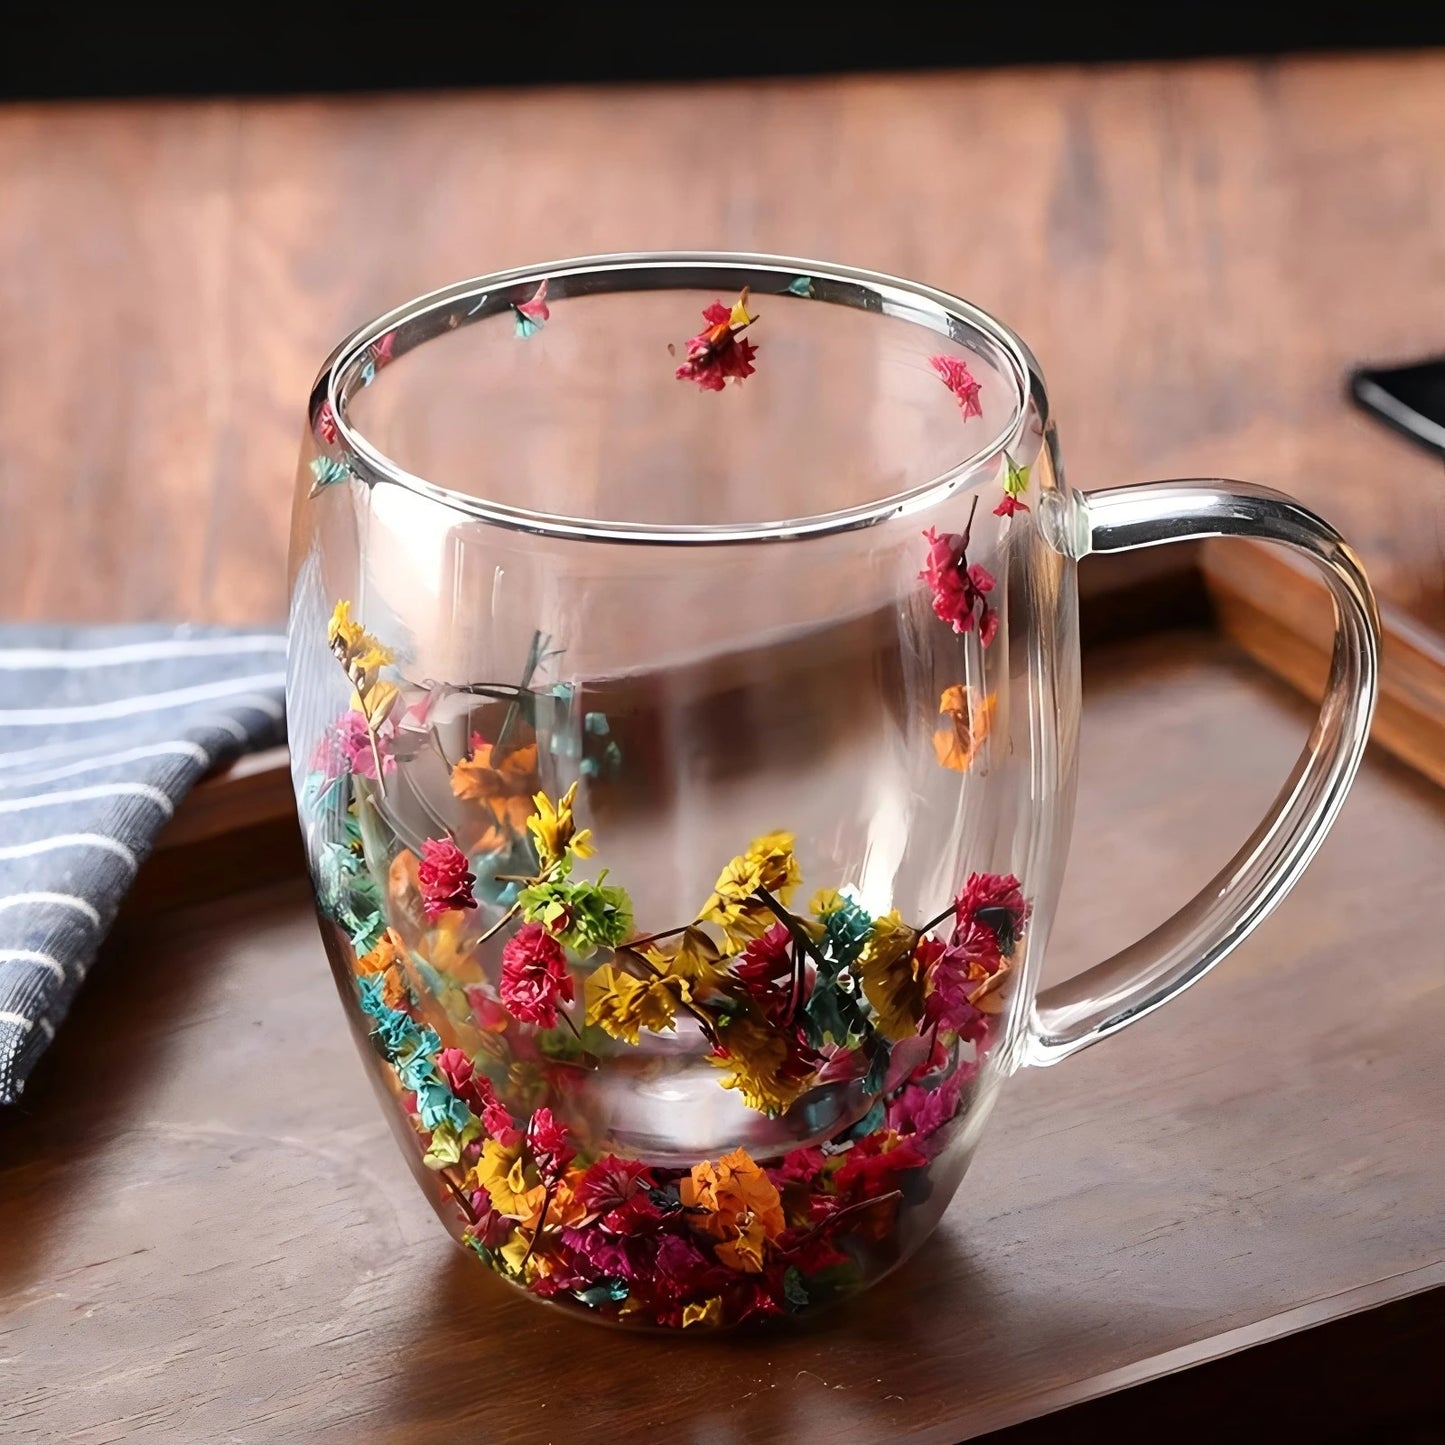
[103,730]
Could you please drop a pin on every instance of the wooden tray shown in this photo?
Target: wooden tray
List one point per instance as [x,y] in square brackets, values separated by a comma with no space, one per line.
[1231,1209]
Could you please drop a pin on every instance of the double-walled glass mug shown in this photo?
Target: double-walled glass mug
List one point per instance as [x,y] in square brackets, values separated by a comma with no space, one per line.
[684,697]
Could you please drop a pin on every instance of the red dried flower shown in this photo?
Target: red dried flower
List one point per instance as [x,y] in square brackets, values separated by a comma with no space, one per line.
[457,1068]
[1009,505]
[995,902]
[873,1165]
[680,1268]
[550,1145]
[616,1191]
[491,1229]
[718,352]
[767,970]
[326,423]
[446,881]
[496,1118]
[531,314]
[954,373]
[989,915]
[534,976]
[959,590]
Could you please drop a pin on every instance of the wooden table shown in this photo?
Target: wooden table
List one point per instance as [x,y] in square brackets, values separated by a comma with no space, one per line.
[208,1233]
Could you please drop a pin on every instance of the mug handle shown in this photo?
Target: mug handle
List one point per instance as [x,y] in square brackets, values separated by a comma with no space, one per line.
[1082,1010]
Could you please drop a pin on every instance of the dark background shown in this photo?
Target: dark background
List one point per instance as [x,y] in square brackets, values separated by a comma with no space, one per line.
[67,50]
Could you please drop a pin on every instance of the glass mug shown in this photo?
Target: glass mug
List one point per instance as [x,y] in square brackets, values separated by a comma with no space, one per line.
[684,696]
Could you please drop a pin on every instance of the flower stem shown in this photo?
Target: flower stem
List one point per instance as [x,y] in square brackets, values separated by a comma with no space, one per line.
[461,1199]
[501,923]
[802,944]
[934,922]
[657,937]
[834,1219]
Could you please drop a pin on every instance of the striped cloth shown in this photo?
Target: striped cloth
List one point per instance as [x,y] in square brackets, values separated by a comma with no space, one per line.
[103,730]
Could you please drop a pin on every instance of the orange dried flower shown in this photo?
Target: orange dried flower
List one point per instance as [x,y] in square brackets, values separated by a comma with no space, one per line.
[970,720]
[737,1205]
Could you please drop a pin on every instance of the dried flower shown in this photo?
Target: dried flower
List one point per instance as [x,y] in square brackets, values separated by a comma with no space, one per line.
[737,1205]
[768,865]
[892,980]
[534,978]
[550,1146]
[326,472]
[502,1173]
[959,590]
[624,1005]
[444,877]
[995,902]
[989,916]
[582,916]
[611,1190]
[970,720]
[708,1312]
[346,748]
[389,951]
[718,352]
[954,373]
[873,1165]
[326,424]
[363,657]
[531,315]
[767,969]
[495,1117]
[503,782]
[1015,484]
[768,1064]
[694,957]
[554,830]
[460,1072]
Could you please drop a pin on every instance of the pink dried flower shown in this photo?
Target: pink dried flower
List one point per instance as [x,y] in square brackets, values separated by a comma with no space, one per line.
[954,373]
[345,748]
[719,352]
[550,1145]
[534,976]
[446,881]
[959,590]
[989,915]
[531,314]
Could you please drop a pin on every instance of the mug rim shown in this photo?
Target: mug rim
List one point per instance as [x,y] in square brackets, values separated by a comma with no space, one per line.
[911,300]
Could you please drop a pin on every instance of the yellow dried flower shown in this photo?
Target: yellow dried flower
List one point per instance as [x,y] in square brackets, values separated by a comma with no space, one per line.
[761,1065]
[695,957]
[709,1312]
[892,980]
[554,830]
[768,864]
[501,1172]
[624,1005]
[342,634]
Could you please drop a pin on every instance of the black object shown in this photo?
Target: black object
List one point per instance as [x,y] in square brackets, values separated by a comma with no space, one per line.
[1411,399]
[66,48]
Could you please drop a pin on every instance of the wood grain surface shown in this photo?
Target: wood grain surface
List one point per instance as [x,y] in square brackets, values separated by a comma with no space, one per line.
[1196,253]
[211,1235]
